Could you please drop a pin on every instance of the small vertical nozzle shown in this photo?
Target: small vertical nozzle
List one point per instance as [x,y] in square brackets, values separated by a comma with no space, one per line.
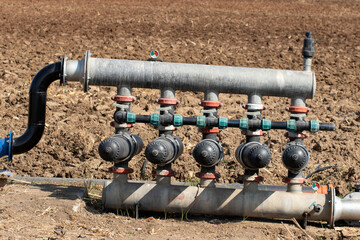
[308,50]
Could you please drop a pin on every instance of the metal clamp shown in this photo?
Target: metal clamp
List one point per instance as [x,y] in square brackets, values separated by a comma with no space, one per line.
[86,71]
[332,212]
[63,74]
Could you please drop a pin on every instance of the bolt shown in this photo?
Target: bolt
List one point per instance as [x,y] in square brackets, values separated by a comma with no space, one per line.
[157,100]
[199,103]
[154,153]
[204,154]
[318,208]
[287,108]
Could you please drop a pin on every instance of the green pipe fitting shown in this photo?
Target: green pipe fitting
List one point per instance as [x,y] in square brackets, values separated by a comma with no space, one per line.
[178,120]
[314,126]
[291,125]
[265,124]
[130,118]
[155,119]
[223,122]
[200,121]
[244,124]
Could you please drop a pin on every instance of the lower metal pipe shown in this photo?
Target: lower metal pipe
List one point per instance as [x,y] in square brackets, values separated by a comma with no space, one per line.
[250,202]
[264,201]
[228,200]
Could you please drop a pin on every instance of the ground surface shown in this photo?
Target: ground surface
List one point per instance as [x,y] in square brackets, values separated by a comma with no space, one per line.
[235,33]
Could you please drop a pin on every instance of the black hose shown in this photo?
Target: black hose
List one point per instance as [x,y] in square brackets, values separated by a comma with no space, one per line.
[37,108]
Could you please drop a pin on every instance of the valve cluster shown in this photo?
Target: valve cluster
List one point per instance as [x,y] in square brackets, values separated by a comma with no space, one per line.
[167,147]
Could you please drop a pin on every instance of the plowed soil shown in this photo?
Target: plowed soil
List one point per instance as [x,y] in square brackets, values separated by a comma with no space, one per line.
[264,34]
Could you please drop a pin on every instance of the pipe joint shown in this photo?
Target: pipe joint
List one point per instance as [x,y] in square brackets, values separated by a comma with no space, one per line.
[6,146]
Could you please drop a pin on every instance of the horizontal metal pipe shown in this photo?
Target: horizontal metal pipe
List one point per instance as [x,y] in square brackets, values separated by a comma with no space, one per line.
[347,208]
[65,181]
[216,200]
[122,193]
[191,77]
[57,180]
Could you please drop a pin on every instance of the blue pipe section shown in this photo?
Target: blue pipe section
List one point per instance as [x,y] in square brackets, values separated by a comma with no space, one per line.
[6,146]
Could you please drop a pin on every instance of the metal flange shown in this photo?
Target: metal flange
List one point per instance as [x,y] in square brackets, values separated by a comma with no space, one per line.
[63,75]
[86,77]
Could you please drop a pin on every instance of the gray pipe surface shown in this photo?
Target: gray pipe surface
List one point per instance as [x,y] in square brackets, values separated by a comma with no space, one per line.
[250,202]
[192,77]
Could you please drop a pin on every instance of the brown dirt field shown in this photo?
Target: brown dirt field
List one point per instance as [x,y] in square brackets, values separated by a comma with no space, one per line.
[266,34]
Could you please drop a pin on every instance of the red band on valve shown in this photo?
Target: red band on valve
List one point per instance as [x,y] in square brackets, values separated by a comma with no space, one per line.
[121,170]
[123,99]
[207,175]
[163,173]
[210,130]
[297,109]
[212,104]
[296,136]
[167,101]
[294,180]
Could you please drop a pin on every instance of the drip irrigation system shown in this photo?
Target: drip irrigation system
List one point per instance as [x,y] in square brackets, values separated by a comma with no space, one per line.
[251,198]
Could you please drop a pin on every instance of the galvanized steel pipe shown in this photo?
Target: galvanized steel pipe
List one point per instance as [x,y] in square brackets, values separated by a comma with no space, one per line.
[190,77]
[250,202]
[229,200]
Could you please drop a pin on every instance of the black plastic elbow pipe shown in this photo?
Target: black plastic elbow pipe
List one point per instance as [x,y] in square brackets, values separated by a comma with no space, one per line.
[37,108]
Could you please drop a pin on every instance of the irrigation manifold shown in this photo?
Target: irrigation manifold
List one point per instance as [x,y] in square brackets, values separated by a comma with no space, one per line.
[251,198]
